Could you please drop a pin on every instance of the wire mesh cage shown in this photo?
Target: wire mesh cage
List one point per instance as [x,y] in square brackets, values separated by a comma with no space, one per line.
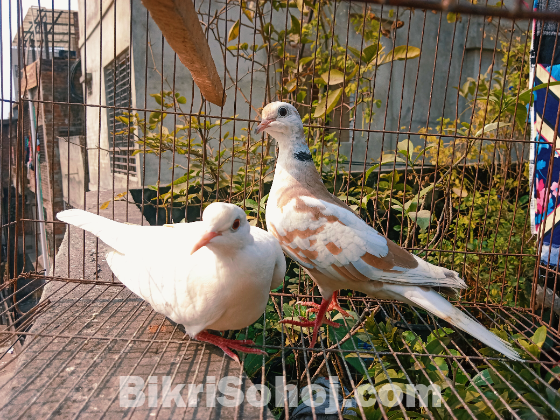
[420,115]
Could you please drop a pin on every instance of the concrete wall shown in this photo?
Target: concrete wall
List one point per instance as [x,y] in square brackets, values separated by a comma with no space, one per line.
[98,48]
[406,100]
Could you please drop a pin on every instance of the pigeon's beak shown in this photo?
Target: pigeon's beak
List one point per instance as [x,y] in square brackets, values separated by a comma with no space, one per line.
[264,124]
[206,238]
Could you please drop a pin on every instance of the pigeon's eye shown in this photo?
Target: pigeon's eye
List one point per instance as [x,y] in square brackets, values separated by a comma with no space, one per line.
[282,111]
[235,225]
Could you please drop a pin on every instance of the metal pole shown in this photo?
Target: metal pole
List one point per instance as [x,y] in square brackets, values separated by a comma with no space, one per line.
[38,188]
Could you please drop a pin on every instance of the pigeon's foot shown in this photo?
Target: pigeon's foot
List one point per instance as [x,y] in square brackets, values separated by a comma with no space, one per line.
[334,305]
[306,323]
[319,320]
[228,345]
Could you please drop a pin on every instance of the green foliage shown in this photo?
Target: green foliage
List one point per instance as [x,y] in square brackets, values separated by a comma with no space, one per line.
[488,224]
[212,154]
[321,62]
[486,391]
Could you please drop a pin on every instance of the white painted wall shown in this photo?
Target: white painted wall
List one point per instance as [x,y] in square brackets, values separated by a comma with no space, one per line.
[148,65]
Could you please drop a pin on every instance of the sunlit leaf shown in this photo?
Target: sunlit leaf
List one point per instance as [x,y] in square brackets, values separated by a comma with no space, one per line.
[401,53]
[540,336]
[324,107]
[405,145]
[389,158]
[334,77]
[234,31]
[157,97]
[491,127]
[248,13]
[459,192]
[290,86]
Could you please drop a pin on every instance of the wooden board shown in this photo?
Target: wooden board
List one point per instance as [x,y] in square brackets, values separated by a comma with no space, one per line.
[178,21]
[29,77]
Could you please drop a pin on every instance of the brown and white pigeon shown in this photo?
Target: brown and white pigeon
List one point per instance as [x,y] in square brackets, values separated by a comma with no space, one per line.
[341,251]
[215,274]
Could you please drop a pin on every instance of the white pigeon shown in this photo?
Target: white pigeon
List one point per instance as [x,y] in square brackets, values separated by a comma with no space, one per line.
[215,274]
[341,251]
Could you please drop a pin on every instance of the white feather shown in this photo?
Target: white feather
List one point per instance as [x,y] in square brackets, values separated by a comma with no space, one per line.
[436,304]
[210,289]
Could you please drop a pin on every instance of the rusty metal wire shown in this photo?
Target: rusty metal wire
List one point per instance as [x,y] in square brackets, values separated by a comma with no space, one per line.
[399,125]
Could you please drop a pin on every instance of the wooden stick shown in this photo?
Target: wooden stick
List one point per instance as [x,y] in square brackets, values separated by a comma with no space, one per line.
[178,22]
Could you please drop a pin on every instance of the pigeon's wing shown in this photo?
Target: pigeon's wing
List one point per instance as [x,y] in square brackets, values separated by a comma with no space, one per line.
[327,236]
[141,240]
[144,258]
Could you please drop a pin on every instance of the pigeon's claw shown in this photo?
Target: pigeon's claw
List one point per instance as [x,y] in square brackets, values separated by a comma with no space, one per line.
[309,324]
[228,345]
[334,305]
[319,320]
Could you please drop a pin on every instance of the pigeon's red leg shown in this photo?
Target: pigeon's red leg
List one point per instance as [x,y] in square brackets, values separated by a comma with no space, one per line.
[228,345]
[316,324]
[332,306]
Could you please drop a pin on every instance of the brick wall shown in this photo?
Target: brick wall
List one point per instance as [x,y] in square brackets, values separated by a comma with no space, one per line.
[56,120]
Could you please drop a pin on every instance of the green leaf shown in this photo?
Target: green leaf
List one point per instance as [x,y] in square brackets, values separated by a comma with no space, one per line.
[405,145]
[491,127]
[370,52]
[437,346]
[401,53]
[303,61]
[549,375]
[370,170]
[180,180]
[325,108]
[482,379]
[426,190]
[334,78]
[296,27]
[182,100]
[525,96]
[451,17]
[234,31]
[354,51]
[390,158]
[540,336]
[422,218]
[530,348]
[157,97]
[248,13]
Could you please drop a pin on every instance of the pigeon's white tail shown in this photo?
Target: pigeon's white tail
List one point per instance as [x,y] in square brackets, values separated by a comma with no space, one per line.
[433,302]
[105,229]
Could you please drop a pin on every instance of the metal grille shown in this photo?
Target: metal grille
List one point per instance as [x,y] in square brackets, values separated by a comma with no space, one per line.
[415,113]
[117,96]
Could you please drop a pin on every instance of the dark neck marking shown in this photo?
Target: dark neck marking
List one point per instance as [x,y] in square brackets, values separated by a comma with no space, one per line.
[303,156]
